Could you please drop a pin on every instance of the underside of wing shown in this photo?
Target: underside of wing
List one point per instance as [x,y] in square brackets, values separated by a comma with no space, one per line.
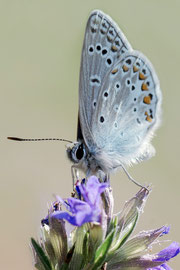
[104,44]
[127,111]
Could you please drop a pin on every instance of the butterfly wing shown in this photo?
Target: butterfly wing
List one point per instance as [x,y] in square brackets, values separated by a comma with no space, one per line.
[127,112]
[104,44]
[119,96]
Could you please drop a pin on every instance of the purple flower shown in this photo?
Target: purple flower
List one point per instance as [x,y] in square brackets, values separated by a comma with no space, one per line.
[166,230]
[107,241]
[88,210]
[166,254]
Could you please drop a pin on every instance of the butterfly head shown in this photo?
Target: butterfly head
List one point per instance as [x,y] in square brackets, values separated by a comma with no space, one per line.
[76,152]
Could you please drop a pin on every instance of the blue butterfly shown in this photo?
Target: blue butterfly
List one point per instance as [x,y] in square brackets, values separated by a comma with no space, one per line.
[119,101]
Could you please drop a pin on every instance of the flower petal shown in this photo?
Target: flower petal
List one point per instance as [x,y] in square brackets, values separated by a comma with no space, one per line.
[89,210]
[168,253]
[166,230]
[78,205]
[66,216]
[92,190]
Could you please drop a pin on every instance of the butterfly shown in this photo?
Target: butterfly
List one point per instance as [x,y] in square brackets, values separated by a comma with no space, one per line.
[119,101]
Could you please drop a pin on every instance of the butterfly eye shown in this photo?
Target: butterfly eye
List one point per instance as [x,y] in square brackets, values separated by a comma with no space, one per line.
[80,152]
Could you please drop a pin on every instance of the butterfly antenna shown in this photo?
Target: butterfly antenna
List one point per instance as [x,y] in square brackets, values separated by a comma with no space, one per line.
[35,140]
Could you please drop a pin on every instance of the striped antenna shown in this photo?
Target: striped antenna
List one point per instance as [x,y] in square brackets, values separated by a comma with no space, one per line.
[35,140]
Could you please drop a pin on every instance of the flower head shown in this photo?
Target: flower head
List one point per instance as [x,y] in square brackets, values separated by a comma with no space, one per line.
[82,211]
[99,240]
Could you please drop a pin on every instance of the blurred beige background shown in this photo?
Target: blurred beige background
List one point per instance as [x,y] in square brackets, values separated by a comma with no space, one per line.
[40,48]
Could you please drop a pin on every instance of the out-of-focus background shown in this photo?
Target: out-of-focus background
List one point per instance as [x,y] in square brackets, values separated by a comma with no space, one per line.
[40,48]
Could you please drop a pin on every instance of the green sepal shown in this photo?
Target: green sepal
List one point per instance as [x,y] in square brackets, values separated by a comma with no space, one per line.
[58,239]
[48,245]
[41,255]
[128,219]
[135,247]
[128,231]
[95,239]
[78,258]
[64,266]
[86,248]
[101,252]
[132,207]
[112,224]
[121,237]
[139,243]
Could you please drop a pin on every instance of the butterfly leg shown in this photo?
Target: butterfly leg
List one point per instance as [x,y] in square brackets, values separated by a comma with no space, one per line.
[75,174]
[107,178]
[132,179]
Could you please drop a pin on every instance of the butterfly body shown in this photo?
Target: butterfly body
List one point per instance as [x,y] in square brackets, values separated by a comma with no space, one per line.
[119,100]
